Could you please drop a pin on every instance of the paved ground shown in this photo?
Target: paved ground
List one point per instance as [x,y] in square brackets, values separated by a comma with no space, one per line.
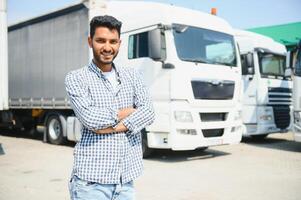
[270,169]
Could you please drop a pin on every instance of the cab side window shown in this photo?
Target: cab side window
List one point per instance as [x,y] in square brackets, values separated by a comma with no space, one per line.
[138,46]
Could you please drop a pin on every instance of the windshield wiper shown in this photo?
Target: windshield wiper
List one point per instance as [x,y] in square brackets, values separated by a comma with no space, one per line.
[221,63]
[199,60]
[273,75]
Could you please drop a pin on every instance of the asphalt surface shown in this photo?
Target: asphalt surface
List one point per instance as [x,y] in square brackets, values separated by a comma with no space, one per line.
[268,169]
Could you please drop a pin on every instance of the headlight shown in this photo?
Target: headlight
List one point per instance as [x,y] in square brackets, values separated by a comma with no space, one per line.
[265,113]
[266,117]
[187,131]
[183,116]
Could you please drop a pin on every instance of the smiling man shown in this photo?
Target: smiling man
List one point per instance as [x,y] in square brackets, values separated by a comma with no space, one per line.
[113,105]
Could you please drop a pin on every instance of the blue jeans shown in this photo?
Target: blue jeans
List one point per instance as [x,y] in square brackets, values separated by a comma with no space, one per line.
[84,190]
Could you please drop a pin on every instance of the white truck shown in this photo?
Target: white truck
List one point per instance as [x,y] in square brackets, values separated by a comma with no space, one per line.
[295,58]
[188,59]
[267,86]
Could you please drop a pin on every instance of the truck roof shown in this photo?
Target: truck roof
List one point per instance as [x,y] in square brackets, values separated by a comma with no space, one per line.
[133,13]
[149,13]
[249,41]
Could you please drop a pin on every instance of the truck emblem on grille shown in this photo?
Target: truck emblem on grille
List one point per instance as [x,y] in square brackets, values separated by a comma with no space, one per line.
[216,82]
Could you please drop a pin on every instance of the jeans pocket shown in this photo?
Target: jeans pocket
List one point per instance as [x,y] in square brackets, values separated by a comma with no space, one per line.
[83,190]
[71,188]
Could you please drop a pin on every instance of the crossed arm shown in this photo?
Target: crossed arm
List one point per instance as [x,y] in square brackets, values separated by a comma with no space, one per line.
[120,127]
[109,119]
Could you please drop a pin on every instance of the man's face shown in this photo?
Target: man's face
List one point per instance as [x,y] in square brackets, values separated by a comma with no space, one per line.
[105,44]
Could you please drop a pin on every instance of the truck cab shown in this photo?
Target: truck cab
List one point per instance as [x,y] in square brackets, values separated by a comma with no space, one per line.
[192,69]
[267,86]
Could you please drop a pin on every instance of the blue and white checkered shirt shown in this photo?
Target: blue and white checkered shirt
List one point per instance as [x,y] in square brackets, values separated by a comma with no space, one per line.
[116,157]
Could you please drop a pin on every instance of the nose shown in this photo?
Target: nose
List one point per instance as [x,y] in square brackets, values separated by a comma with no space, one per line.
[107,46]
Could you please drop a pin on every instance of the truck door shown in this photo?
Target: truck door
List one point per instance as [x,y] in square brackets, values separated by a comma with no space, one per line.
[142,56]
[249,89]
[147,55]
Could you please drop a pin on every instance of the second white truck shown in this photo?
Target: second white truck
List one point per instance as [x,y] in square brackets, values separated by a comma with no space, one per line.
[267,86]
[295,63]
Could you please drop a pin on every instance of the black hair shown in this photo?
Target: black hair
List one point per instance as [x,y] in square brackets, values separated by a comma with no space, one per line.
[107,21]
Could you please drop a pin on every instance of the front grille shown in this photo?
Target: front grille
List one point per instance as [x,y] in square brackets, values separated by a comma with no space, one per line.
[282,116]
[280,89]
[213,89]
[213,132]
[209,117]
[280,96]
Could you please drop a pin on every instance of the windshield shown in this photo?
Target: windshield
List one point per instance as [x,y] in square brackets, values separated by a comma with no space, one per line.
[204,46]
[271,64]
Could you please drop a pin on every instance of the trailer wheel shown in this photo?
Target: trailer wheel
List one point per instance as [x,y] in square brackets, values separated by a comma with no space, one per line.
[54,130]
[145,149]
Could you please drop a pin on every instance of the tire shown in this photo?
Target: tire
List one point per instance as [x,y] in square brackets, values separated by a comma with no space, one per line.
[54,130]
[146,151]
[202,148]
[30,128]
[259,137]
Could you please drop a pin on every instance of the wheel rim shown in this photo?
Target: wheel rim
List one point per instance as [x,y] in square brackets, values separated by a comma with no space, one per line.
[54,129]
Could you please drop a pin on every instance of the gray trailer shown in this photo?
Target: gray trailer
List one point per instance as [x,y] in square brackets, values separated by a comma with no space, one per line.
[40,53]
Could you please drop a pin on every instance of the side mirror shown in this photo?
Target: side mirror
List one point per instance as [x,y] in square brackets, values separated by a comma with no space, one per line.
[288,72]
[250,63]
[249,60]
[155,45]
[250,70]
[290,59]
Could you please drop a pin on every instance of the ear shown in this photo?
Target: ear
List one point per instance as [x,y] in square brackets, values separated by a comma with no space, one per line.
[90,41]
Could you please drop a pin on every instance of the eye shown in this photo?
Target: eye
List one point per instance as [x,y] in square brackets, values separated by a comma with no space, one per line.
[100,40]
[114,41]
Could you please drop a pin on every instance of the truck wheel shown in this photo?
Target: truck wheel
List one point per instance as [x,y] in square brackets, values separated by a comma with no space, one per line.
[54,130]
[145,149]
[259,137]
[202,148]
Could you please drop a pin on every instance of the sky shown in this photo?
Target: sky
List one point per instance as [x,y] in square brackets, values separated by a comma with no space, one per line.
[242,14]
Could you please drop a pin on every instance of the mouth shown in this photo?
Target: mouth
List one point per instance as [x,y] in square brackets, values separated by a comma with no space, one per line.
[106,53]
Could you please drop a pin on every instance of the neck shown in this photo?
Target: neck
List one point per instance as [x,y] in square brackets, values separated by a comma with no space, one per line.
[103,67]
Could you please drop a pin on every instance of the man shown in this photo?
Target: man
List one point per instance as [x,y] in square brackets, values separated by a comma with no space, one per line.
[113,106]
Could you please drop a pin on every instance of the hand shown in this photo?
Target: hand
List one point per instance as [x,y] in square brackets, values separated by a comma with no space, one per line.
[119,128]
[125,112]
[105,131]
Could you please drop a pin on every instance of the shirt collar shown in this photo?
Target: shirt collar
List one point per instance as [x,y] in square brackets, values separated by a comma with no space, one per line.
[98,71]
